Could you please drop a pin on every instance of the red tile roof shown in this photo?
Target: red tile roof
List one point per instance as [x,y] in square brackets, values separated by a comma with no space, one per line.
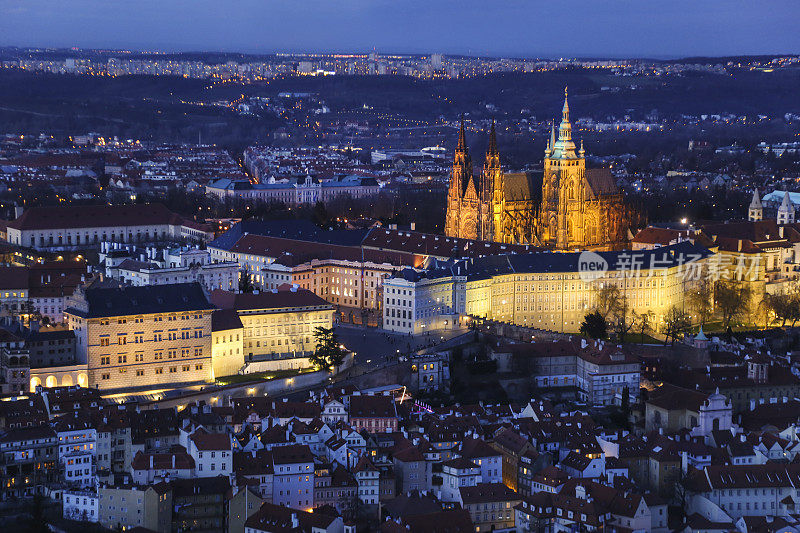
[211,441]
[363,406]
[178,460]
[487,493]
[42,218]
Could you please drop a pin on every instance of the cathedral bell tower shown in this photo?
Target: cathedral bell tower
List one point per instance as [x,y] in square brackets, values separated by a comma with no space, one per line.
[462,196]
[492,197]
[560,220]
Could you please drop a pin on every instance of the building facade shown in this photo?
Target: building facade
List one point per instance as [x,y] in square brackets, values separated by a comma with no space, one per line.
[82,227]
[277,327]
[143,336]
[544,290]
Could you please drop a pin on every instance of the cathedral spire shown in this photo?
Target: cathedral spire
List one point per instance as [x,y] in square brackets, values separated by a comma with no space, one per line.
[462,138]
[565,128]
[492,140]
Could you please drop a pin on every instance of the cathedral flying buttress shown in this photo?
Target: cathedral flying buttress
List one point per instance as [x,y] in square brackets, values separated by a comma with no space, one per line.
[566,207]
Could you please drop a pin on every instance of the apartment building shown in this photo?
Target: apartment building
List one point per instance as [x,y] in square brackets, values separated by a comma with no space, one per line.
[293,476]
[733,491]
[77,450]
[212,276]
[14,289]
[200,504]
[28,460]
[375,414]
[80,505]
[212,453]
[15,365]
[122,507]
[491,506]
[143,336]
[456,474]
[52,347]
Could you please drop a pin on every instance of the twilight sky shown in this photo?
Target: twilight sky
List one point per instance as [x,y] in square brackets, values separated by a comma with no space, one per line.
[589,28]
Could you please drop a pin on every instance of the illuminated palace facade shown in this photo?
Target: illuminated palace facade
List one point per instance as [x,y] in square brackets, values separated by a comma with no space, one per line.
[543,290]
[571,208]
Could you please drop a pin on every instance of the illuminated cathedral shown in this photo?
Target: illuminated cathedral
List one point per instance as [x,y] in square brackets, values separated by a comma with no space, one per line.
[567,207]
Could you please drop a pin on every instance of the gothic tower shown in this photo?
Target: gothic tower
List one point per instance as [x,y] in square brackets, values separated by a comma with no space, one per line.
[462,195]
[492,197]
[561,217]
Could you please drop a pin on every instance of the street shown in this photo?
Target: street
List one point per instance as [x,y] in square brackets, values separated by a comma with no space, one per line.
[375,347]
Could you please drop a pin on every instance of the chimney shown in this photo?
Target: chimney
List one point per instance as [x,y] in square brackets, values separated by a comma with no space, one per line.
[740,245]
[414,226]
[173,461]
[151,461]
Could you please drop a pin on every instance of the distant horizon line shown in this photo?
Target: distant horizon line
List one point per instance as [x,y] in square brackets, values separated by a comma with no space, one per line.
[164,51]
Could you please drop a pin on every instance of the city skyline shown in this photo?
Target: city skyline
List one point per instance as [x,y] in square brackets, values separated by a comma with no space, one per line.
[583,28]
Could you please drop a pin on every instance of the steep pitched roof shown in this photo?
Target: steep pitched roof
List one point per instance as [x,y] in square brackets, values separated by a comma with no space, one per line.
[601,181]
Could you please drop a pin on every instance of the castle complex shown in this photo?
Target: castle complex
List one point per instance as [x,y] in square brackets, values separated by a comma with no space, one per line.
[573,207]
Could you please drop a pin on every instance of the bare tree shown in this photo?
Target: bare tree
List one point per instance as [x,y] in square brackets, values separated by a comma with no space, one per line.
[701,299]
[644,322]
[785,306]
[609,300]
[676,323]
[732,300]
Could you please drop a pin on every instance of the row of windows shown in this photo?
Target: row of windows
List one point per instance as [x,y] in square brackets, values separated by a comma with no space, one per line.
[122,338]
[157,356]
[158,371]
[159,318]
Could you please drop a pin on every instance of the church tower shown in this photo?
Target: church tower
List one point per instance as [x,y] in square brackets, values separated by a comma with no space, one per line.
[786,210]
[492,197]
[462,195]
[561,221]
[756,211]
